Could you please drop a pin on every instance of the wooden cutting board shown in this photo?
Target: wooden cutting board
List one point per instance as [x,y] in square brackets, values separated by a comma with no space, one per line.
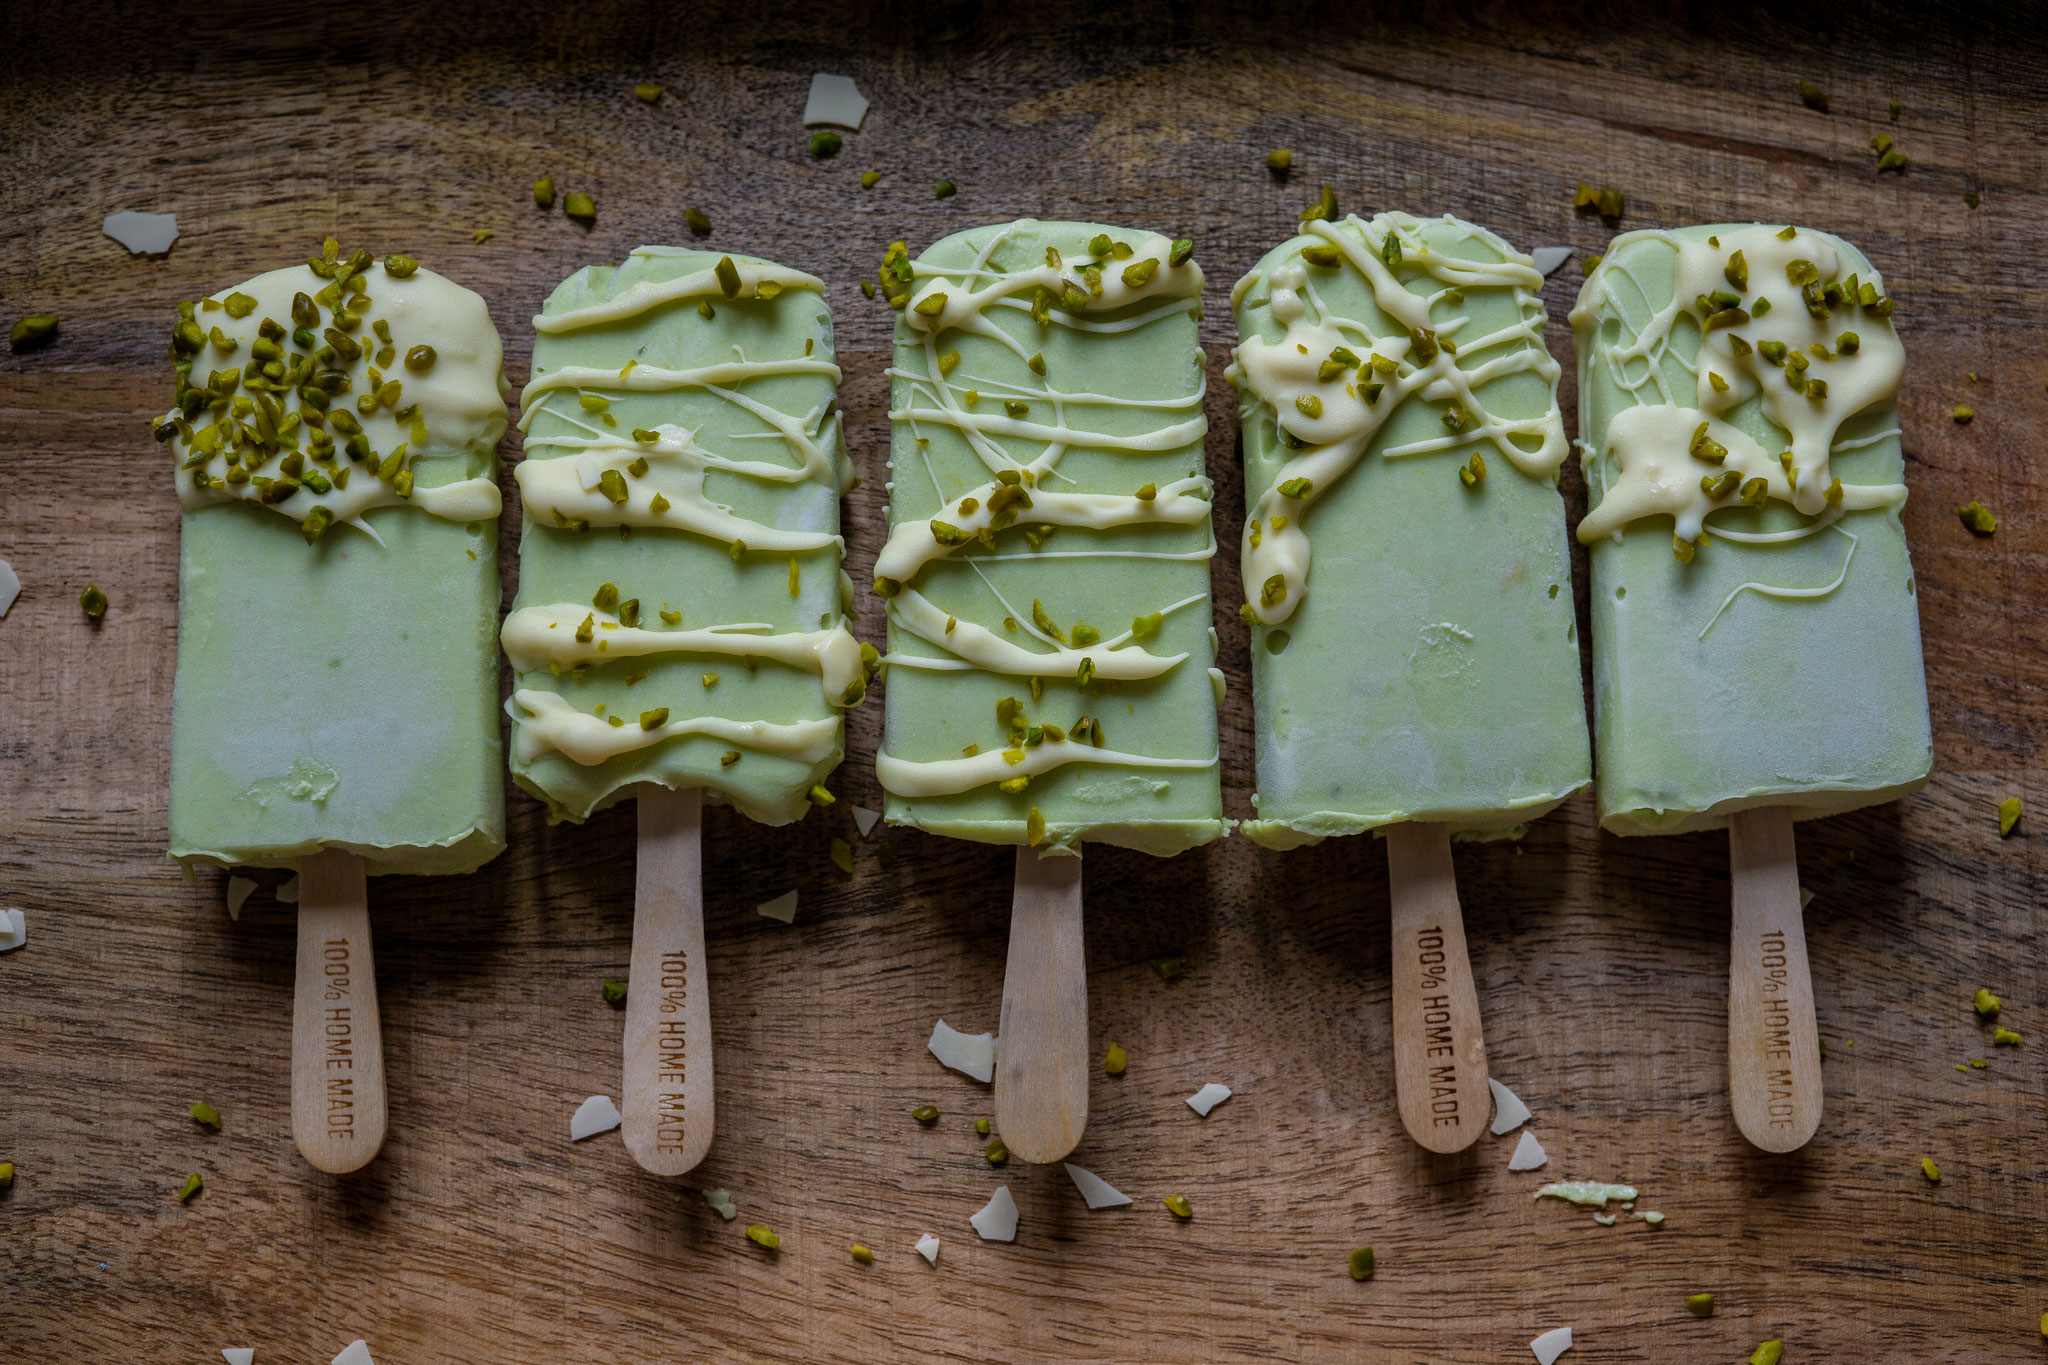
[483,1234]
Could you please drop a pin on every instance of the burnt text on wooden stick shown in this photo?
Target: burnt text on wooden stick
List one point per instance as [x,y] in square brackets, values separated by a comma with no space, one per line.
[338,1104]
[667,1111]
[1042,1049]
[1439,1051]
[1774,1082]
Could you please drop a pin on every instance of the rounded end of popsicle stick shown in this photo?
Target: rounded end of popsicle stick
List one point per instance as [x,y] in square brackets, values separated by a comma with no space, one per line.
[341,1155]
[1768,1133]
[660,1149]
[1040,1133]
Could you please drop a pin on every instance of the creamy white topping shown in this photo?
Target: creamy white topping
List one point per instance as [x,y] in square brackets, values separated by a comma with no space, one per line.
[548,722]
[454,405]
[1331,382]
[1650,464]
[537,637]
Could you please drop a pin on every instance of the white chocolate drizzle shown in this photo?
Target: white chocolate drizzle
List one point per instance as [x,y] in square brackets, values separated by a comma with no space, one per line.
[546,721]
[572,490]
[1284,379]
[1646,467]
[459,399]
[538,637]
[952,299]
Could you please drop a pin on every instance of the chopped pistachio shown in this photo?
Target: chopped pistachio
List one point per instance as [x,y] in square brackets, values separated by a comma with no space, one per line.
[1471,474]
[1611,203]
[818,796]
[1893,160]
[697,221]
[1978,518]
[1309,406]
[1327,257]
[614,992]
[481,235]
[761,1235]
[2008,815]
[613,485]
[40,329]
[420,359]
[1972,199]
[657,504]
[995,1152]
[1706,448]
[7,1179]
[647,92]
[193,1185]
[824,144]
[1767,1353]
[1684,549]
[2004,1037]
[93,601]
[1170,966]
[945,189]
[1930,1170]
[205,1113]
[1181,252]
[1813,97]
[1297,489]
[1362,1263]
[544,192]
[1963,414]
[1700,1305]
[1987,1004]
[1034,828]
[655,719]
[1280,160]
[581,207]
[1324,209]
[1116,1060]
[862,1254]
[728,758]
[1139,274]
[1178,1206]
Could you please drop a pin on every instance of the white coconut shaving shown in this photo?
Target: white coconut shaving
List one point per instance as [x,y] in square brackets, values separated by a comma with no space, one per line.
[238,894]
[782,908]
[1509,1113]
[1805,898]
[595,1115]
[863,818]
[587,472]
[928,1247]
[10,586]
[1097,1192]
[722,1201]
[969,1054]
[288,890]
[997,1221]
[13,930]
[238,1355]
[835,100]
[357,1352]
[144,234]
[1549,258]
[1208,1097]
[1551,1344]
[1529,1153]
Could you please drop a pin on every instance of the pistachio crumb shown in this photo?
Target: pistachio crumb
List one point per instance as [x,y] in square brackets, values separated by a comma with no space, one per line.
[37,329]
[1362,1264]
[1978,518]
[945,189]
[1813,97]
[2005,1037]
[193,1185]
[205,1113]
[1963,414]
[580,207]
[647,92]
[762,1235]
[1987,1004]
[2008,815]
[1178,1206]
[1280,160]
[1930,1170]
[926,1114]
[544,192]
[1116,1060]
[1767,1353]
[614,992]
[93,601]
[824,144]
[996,1152]
[862,1254]
[981,1127]
[1700,1305]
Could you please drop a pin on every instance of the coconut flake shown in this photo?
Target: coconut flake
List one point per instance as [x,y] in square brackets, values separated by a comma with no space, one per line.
[1208,1097]
[1552,1344]
[238,892]
[144,234]
[1805,898]
[1591,1194]
[997,1221]
[288,890]
[587,472]
[595,1115]
[1529,1153]
[1549,258]
[13,930]
[10,586]
[357,1352]
[863,818]
[1097,1192]
[835,100]
[969,1054]
[928,1247]
[1605,1220]
[722,1201]
[782,908]
[1509,1113]
[238,1355]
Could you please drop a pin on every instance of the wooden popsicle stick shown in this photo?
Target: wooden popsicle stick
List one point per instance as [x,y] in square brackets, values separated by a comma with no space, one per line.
[667,1102]
[1042,1049]
[1774,1080]
[338,1104]
[1439,1051]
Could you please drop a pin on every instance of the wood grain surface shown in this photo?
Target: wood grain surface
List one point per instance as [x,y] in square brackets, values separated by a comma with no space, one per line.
[483,1235]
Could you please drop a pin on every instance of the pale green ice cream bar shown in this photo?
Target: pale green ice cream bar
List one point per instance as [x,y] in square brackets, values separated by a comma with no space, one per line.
[1051,660]
[1414,652]
[1756,640]
[335,437]
[681,616]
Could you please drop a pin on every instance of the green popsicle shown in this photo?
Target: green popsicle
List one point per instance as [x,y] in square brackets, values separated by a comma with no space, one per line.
[336,686]
[1414,650]
[1775,659]
[681,616]
[1050,647]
